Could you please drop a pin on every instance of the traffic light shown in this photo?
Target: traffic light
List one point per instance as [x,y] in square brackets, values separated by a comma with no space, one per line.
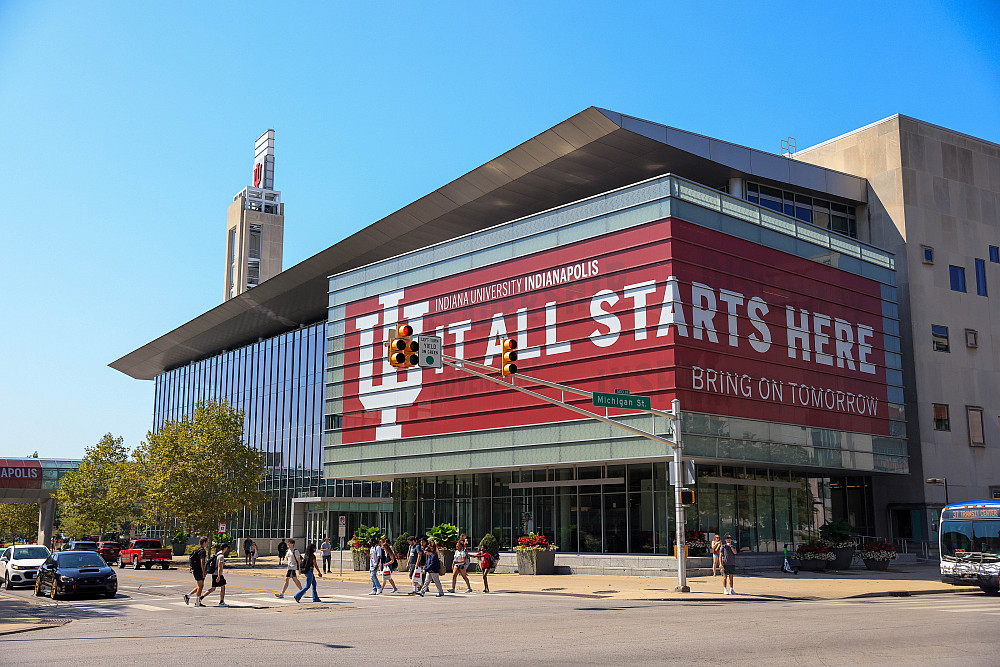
[507,365]
[411,358]
[397,357]
[687,497]
[403,349]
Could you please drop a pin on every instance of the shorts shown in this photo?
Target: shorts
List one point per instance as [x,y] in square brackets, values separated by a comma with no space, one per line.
[198,574]
[291,573]
[218,580]
[729,569]
[461,566]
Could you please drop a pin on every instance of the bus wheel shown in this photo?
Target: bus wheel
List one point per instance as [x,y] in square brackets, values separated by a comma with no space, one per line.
[990,590]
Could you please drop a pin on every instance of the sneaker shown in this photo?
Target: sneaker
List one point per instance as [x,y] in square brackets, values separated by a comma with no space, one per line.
[420,593]
[439,595]
[279,595]
[451,590]
[296,598]
[197,603]
[732,591]
[412,593]
[187,598]
[468,590]
[725,591]
[373,593]
[222,604]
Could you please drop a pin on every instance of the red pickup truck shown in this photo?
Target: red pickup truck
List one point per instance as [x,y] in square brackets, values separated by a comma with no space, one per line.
[145,552]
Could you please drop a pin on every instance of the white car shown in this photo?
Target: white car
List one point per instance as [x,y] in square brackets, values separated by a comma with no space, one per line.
[19,564]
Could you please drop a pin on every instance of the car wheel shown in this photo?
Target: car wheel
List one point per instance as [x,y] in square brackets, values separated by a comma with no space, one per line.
[38,588]
[6,581]
[111,594]
[149,566]
[165,566]
[990,590]
[121,563]
[56,595]
[135,563]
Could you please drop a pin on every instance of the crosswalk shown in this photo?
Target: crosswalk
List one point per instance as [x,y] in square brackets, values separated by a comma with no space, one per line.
[945,603]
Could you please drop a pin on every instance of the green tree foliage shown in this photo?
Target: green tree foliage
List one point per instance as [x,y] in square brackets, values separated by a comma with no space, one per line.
[18,519]
[100,495]
[197,470]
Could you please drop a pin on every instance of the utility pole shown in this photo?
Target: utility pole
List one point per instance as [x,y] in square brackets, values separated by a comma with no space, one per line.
[682,586]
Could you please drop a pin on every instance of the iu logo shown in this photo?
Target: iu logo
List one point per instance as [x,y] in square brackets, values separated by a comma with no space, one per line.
[258,174]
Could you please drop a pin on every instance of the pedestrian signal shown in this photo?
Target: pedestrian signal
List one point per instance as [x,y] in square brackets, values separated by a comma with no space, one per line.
[507,365]
[687,497]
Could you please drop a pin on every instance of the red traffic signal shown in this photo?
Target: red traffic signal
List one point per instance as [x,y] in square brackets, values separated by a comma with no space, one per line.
[404,331]
[507,365]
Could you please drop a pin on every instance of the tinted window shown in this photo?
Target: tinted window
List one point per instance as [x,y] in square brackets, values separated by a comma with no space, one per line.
[84,559]
[957,275]
[980,277]
[32,553]
[956,538]
[147,544]
[994,253]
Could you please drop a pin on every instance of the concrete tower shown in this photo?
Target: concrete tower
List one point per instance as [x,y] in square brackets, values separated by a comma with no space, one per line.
[255,226]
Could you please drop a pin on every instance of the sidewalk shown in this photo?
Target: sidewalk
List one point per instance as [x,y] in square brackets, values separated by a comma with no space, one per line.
[17,615]
[906,579]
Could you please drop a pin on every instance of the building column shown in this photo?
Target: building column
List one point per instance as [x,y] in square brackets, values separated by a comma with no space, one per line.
[46,516]
[736,187]
[298,525]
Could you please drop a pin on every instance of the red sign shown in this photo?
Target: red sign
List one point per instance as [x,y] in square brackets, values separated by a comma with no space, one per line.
[258,174]
[20,474]
[667,309]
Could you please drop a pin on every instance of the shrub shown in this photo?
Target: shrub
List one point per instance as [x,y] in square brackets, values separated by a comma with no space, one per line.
[362,537]
[180,537]
[444,535]
[490,545]
[400,546]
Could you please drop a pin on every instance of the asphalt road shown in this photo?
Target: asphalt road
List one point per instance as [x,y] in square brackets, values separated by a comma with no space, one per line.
[148,623]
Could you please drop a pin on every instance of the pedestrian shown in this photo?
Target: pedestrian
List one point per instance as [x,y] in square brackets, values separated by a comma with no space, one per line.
[247,544]
[291,561]
[197,561]
[417,578]
[412,550]
[218,577]
[460,565]
[374,565]
[388,565]
[433,570]
[327,554]
[282,550]
[253,554]
[728,564]
[716,554]
[310,568]
[485,563]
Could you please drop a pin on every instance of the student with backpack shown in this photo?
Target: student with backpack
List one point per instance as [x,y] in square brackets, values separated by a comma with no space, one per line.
[307,566]
[292,567]
[197,561]
[215,568]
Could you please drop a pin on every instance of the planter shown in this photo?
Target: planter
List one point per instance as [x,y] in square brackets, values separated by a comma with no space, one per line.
[179,548]
[844,555]
[879,565]
[812,565]
[361,560]
[447,557]
[536,561]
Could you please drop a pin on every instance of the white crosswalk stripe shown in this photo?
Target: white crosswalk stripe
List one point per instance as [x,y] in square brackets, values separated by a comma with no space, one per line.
[275,600]
[147,607]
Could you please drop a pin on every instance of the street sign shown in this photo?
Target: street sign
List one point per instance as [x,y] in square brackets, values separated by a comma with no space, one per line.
[429,351]
[222,526]
[342,527]
[622,401]
[687,466]
[342,521]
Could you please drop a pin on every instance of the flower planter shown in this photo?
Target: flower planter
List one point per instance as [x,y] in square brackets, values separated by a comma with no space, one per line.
[873,564]
[844,555]
[361,560]
[536,561]
[447,558]
[812,565]
[179,548]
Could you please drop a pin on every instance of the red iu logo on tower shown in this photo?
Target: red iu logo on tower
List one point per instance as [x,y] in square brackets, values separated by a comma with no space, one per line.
[258,174]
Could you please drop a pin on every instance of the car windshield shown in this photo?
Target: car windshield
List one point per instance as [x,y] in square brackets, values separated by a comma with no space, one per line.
[970,540]
[80,560]
[147,544]
[29,553]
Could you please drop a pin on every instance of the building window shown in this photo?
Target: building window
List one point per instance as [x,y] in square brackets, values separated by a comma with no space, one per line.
[839,218]
[971,338]
[957,278]
[939,338]
[941,417]
[928,253]
[975,415]
[994,254]
[995,492]
[980,277]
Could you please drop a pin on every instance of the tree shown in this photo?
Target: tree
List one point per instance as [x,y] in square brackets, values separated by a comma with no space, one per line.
[99,495]
[197,470]
[18,520]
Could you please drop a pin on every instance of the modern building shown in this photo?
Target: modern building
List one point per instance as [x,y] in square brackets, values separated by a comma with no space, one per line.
[770,295]
[35,481]
[255,226]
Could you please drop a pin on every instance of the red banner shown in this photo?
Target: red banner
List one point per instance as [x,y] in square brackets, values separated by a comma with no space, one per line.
[20,474]
[667,309]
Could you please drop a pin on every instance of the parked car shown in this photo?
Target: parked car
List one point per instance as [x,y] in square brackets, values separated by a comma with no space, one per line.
[146,553]
[18,564]
[109,551]
[72,572]
[80,545]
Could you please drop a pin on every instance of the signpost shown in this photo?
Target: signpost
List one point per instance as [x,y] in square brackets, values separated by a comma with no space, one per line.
[342,531]
[222,526]
[429,351]
[622,401]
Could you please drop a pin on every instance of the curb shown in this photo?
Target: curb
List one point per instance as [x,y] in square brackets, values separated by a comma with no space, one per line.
[34,626]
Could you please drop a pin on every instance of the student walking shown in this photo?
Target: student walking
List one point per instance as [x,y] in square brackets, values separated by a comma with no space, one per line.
[247,546]
[728,564]
[375,565]
[433,570]
[389,563]
[197,562]
[253,554]
[309,568]
[460,565]
[282,550]
[485,563]
[716,554]
[292,567]
[412,553]
[216,568]
[417,569]
[326,550]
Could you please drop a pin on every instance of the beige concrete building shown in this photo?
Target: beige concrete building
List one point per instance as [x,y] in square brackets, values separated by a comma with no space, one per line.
[933,200]
[255,226]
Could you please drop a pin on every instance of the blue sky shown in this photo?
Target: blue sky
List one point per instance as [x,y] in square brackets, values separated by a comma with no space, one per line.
[128,127]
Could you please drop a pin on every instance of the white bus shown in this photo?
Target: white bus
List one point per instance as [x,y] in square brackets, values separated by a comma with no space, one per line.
[970,545]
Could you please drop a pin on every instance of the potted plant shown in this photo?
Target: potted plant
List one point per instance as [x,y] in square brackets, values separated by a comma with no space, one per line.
[814,556]
[490,545]
[360,545]
[179,542]
[696,542]
[839,536]
[535,554]
[445,535]
[877,555]
[402,550]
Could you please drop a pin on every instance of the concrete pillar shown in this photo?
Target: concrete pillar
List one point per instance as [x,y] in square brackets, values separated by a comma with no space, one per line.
[298,525]
[736,187]
[46,516]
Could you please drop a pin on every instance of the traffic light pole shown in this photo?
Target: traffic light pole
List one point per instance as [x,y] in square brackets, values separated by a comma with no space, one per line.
[682,586]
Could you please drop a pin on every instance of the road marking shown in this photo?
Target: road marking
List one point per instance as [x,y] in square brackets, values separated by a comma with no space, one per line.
[165,586]
[147,607]
[276,600]
[241,603]
[347,597]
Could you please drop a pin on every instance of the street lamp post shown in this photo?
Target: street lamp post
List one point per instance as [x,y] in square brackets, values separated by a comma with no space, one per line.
[939,481]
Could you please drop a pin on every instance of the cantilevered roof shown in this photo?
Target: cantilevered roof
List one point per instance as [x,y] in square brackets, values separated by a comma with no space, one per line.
[592,152]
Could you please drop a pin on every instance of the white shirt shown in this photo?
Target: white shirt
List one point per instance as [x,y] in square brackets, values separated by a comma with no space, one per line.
[291,560]
[373,556]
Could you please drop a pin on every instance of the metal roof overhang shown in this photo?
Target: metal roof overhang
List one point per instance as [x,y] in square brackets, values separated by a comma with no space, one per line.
[592,152]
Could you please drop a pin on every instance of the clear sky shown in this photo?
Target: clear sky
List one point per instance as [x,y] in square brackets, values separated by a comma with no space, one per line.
[128,127]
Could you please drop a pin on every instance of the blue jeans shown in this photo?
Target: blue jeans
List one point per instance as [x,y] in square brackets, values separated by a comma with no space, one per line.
[376,587]
[310,582]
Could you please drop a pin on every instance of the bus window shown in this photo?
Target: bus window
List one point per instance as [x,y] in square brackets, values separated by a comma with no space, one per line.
[986,538]
[956,538]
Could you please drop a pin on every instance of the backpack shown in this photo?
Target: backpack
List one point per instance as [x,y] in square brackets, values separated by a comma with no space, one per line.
[194,560]
[305,564]
[211,564]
